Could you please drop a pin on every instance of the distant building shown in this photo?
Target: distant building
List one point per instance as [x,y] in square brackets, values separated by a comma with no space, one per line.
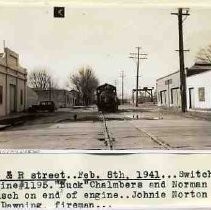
[77,99]
[198,88]
[62,98]
[13,80]
[32,97]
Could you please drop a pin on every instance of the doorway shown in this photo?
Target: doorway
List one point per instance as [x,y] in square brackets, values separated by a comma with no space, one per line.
[191,98]
[163,97]
[12,98]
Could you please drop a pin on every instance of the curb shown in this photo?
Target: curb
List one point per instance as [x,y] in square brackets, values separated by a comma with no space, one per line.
[14,121]
[3,127]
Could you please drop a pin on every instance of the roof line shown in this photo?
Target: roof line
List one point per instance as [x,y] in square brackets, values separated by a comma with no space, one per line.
[202,72]
[167,75]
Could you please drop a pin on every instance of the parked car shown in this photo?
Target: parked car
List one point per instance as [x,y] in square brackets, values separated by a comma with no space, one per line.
[43,106]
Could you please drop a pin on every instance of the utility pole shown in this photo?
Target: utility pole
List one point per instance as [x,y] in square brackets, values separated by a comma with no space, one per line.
[122,77]
[138,57]
[6,75]
[50,95]
[115,82]
[180,15]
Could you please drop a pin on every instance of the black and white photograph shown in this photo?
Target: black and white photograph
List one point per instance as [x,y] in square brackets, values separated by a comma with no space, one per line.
[105,77]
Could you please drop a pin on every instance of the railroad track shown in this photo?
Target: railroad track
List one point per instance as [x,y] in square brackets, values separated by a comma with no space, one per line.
[155,139]
[108,137]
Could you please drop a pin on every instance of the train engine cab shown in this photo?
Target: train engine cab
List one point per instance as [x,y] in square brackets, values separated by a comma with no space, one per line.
[107,98]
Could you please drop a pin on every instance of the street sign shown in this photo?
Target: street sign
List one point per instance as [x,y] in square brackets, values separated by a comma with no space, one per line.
[168,82]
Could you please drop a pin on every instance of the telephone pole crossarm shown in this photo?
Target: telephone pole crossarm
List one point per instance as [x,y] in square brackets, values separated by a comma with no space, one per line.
[183,50]
[137,54]
[138,58]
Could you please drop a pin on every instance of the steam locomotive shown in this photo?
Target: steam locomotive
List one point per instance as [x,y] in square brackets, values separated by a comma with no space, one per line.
[107,98]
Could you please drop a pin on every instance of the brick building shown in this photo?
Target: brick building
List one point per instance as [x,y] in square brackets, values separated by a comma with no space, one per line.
[13,80]
[62,98]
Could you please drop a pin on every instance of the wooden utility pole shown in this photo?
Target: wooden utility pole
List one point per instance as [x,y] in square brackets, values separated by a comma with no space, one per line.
[138,57]
[50,90]
[122,77]
[180,15]
[6,76]
[115,82]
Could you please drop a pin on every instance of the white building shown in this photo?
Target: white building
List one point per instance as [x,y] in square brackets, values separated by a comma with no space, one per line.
[13,80]
[199,88]
[168,90]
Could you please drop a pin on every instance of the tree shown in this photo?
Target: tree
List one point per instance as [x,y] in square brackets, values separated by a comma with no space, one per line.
[86,83]
[204,55]
[40,79]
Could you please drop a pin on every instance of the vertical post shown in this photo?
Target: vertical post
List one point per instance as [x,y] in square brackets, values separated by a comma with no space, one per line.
[115,83]
[122,77]
[137,77]
[138,57]
[168,82]
[25,93]
[180,15]
[50,97]
[133,96]
[6,75]
[181,58]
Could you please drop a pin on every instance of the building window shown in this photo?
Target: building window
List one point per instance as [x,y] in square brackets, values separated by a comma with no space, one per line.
[21,97]
[201,92]
[1,94]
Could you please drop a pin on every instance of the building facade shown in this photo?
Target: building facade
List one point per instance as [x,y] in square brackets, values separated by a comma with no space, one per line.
[168,90]
[198,88]
[62,98]
[13,80]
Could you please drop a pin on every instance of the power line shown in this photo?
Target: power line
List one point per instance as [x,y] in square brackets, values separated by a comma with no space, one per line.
[138,56]
[180,15]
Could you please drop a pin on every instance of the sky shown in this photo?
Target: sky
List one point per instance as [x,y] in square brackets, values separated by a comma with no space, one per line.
[102,37]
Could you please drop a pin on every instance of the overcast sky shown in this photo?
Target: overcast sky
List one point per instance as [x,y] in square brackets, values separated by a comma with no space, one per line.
[102,37]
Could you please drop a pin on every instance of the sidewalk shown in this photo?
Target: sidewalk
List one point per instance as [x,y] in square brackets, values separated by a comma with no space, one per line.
[15,119]
[195,114]
[155,110]
[200,114]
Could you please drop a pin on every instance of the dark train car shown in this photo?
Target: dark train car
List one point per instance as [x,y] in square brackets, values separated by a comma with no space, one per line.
[107,98]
